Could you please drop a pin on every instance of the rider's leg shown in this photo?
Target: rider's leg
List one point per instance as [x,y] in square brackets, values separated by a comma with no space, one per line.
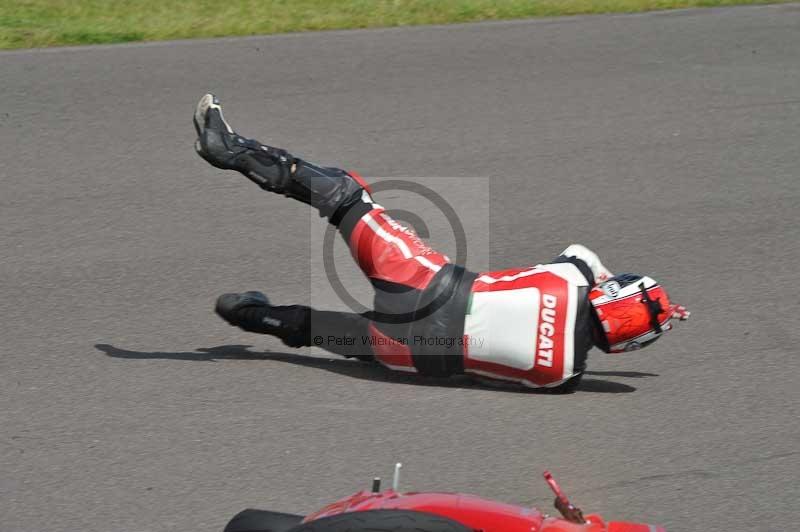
[398,263]
[347,334]
[390,254]
[342,333]
[330,190]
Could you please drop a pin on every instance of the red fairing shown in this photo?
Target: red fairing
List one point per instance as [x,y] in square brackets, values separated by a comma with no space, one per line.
[475,512]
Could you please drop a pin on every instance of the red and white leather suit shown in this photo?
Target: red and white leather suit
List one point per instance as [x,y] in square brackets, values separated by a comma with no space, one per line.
[527,325]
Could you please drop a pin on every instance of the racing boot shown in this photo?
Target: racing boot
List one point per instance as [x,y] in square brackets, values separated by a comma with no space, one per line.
[330,190]
[252,312]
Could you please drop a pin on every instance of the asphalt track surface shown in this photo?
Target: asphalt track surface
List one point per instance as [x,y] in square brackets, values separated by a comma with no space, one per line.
[668,142]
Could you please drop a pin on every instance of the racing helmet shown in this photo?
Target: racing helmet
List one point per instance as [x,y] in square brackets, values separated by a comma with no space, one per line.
[633,310]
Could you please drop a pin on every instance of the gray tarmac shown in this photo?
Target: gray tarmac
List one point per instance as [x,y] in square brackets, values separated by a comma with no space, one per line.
[668,142]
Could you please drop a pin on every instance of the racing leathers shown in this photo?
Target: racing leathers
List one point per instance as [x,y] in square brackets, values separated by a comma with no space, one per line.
[532,326]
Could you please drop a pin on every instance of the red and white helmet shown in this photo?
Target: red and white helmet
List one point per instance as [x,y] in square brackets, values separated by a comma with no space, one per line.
[634,311]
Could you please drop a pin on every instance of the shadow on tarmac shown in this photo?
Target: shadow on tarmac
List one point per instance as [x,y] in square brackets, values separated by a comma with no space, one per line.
[629,374]
[365,370]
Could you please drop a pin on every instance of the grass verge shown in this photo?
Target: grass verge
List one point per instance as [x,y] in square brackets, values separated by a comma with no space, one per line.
[35,23]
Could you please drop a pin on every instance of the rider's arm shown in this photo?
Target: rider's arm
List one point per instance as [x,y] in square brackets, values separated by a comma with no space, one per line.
[587,261]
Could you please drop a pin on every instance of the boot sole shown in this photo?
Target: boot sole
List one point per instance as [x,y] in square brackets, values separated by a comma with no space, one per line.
[208,101]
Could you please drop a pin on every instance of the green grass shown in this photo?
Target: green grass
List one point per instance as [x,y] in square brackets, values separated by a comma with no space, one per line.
[33,23]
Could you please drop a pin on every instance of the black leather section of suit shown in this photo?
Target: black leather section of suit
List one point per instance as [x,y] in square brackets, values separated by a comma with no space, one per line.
[437,339]
[349,214]
[330,190]
[584,324]
[597,336]
[584,268]
[342,333]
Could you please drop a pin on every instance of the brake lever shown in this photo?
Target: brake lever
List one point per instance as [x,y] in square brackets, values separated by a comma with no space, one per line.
[571,513]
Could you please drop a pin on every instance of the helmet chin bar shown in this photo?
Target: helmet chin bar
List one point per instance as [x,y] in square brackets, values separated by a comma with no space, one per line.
[598,334]
[653,307]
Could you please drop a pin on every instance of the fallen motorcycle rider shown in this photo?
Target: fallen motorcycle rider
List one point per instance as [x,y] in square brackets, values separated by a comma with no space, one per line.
[533,325]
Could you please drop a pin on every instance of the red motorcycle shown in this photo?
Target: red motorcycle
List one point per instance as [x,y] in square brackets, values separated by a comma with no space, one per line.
[392,511]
